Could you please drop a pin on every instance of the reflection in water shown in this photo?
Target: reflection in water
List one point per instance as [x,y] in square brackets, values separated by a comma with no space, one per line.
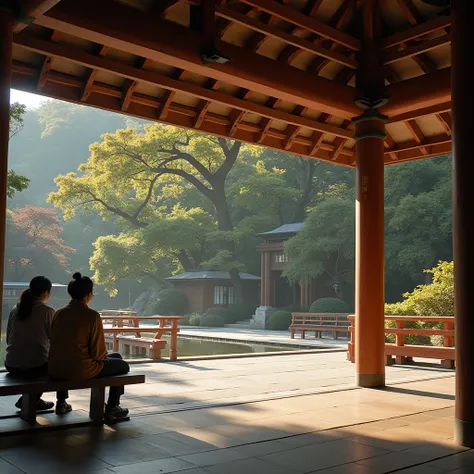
[197,347]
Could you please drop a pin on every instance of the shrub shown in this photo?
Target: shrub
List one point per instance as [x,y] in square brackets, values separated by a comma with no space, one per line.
[435,299]
[239,312]
[279,320]
[218,311]
[195,319]
[185,320]
[329,305]
[212,320]
[169,302]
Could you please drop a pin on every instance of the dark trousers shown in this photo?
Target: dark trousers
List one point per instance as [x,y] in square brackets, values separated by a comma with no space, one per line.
[114,365]
[33,373]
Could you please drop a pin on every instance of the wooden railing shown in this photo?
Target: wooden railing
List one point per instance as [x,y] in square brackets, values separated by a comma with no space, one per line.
[117,324]
[405,352]
[319,322]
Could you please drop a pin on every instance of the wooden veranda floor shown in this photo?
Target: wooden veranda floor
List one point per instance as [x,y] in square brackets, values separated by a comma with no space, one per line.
[277,415]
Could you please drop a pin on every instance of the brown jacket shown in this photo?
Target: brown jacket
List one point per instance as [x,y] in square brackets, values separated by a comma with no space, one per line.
[77,343]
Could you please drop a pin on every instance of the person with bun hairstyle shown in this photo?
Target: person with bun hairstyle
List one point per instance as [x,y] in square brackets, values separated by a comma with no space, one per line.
[78,350]
[28,340]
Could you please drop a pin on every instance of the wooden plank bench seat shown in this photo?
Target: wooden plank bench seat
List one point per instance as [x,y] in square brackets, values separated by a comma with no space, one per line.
[319,323]
[404,354]
[154,346]
[13,385]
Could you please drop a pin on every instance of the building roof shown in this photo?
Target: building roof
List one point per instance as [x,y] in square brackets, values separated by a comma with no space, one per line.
[285,229]
[209,275]
[280,74]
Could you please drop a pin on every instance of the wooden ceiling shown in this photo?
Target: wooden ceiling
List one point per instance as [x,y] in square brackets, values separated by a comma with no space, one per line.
[289,83]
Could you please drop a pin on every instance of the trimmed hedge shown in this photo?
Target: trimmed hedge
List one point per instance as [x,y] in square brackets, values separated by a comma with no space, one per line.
[195,319]
[212,320]
[279,320]
[329,305]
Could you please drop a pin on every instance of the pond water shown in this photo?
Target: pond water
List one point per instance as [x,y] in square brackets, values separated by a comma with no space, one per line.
[188,347]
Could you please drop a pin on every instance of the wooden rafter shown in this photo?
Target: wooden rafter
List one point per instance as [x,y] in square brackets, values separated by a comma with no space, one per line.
[33,9]
[266,121]
[305,22]
[103,50]
[168,97]
[446,120]
[136,33]
[204,105]
[416,133]
[292,131]
[422,47]
[47,64]
[412,13]
[422,112]
[130,85]
[299,43]
[317,137]
[423,29]
[166,82]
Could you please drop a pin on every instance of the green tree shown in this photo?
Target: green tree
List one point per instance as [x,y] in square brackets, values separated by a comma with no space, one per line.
[16,182]
[128,171]
[433,299]
[325,245]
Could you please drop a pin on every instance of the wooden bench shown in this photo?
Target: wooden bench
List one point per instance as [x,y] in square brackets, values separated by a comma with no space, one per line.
[154,346]
[404,353]
[10,385]
[331,322]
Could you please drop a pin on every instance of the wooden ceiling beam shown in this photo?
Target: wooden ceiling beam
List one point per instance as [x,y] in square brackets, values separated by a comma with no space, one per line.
[423,112]
[416,133]
[419,93]
[103,50]
[204,105]
[214,126]
[305,22]
[416,154]
[285,37]
[446,119]
[32,9]
[266,121]
[157,79]
[422,47]
[136,33]
[167,99]
[412,13]
[425,28]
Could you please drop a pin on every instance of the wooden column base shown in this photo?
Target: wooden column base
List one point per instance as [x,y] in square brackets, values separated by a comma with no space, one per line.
[370,380]
[464,433]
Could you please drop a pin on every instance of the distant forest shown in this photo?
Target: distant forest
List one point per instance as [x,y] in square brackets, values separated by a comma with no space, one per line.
[146,201]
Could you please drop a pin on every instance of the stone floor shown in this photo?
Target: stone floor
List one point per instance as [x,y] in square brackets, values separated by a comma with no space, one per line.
[325,425]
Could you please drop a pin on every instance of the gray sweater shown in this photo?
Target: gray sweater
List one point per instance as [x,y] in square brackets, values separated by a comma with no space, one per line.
[28,341]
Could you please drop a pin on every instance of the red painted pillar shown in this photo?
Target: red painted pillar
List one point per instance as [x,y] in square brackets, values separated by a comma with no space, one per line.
[6,36]
[462,12]
[268,280]
[263,280]
[370,135]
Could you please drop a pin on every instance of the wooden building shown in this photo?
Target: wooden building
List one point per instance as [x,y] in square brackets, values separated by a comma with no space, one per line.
[275,290]
[207,288]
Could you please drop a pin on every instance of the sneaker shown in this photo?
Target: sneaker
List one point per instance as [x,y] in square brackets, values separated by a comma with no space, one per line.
[62,408]
[41,405]
[115,413]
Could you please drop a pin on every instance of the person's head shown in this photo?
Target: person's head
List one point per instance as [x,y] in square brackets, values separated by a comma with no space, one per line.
[39,290]
[81,288]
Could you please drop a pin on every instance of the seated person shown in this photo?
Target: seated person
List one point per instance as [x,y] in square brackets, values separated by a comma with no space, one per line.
[78,349]
[28,339]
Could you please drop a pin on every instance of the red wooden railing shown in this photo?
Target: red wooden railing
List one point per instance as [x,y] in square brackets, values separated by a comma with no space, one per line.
[405,352]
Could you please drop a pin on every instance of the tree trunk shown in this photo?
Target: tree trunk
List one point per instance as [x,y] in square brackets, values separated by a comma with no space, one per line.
[224,223]
[306,188]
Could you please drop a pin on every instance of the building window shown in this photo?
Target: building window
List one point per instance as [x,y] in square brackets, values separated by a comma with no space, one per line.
[224,295]
[281,258]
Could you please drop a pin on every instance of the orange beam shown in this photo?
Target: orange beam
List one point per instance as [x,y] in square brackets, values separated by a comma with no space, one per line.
[420,48]
[438,23]
[178,116]
[158,79]
[423,112]
[33,9]
[419,93]
[137,33]
[288,38]
[305,22]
